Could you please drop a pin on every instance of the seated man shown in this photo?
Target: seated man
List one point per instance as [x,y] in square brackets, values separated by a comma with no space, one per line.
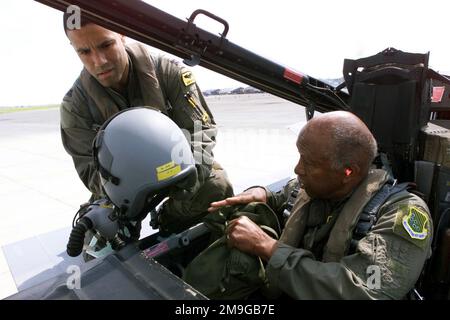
[318,255]
[117,76]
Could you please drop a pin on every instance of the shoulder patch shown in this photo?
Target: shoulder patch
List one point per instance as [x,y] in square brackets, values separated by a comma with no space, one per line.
[415,223]
[412,224]
[187,78]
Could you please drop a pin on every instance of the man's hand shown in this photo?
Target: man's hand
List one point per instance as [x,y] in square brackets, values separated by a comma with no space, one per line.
[251,195]
[243,234]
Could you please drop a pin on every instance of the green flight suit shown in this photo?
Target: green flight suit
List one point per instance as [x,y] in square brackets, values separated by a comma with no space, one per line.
[161,83]
[313,261]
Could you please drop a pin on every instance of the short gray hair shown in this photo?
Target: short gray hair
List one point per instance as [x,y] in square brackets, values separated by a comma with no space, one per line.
[351,145]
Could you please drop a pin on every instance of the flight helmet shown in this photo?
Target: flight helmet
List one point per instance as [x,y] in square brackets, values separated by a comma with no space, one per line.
[139,153]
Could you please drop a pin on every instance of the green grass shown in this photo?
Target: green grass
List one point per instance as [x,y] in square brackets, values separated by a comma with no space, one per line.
[20,109]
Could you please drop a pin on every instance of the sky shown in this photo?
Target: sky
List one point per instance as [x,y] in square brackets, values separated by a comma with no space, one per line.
[38,65]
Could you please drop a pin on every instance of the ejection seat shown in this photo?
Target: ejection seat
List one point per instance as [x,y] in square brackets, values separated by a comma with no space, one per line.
[390,93]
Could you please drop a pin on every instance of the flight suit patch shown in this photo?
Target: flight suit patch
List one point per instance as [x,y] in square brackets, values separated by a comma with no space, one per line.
[412,224]
[415,223]
[187,78]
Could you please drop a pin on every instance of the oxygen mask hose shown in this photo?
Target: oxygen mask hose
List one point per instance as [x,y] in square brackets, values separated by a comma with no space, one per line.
[76,239]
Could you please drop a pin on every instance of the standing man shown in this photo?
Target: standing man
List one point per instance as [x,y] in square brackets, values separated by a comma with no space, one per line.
[117,76]
[331,246]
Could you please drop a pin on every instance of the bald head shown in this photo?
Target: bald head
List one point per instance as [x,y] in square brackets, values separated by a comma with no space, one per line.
[336,151]
[347,139]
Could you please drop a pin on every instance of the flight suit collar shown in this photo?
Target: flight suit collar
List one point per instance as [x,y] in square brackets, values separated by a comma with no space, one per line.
[346,215]
[146,74]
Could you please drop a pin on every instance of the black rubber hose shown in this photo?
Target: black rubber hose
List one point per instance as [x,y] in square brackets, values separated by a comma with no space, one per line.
[76,239]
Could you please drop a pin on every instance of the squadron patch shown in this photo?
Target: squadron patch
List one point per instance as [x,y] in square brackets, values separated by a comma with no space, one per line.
[188,78]
[415,223]
[412,224]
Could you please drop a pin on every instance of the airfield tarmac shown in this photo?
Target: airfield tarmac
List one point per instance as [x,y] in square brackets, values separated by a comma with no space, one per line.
[40,191]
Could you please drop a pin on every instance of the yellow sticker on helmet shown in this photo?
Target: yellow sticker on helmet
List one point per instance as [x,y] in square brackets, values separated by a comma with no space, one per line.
[167,170]
[188,78]
[106,206]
